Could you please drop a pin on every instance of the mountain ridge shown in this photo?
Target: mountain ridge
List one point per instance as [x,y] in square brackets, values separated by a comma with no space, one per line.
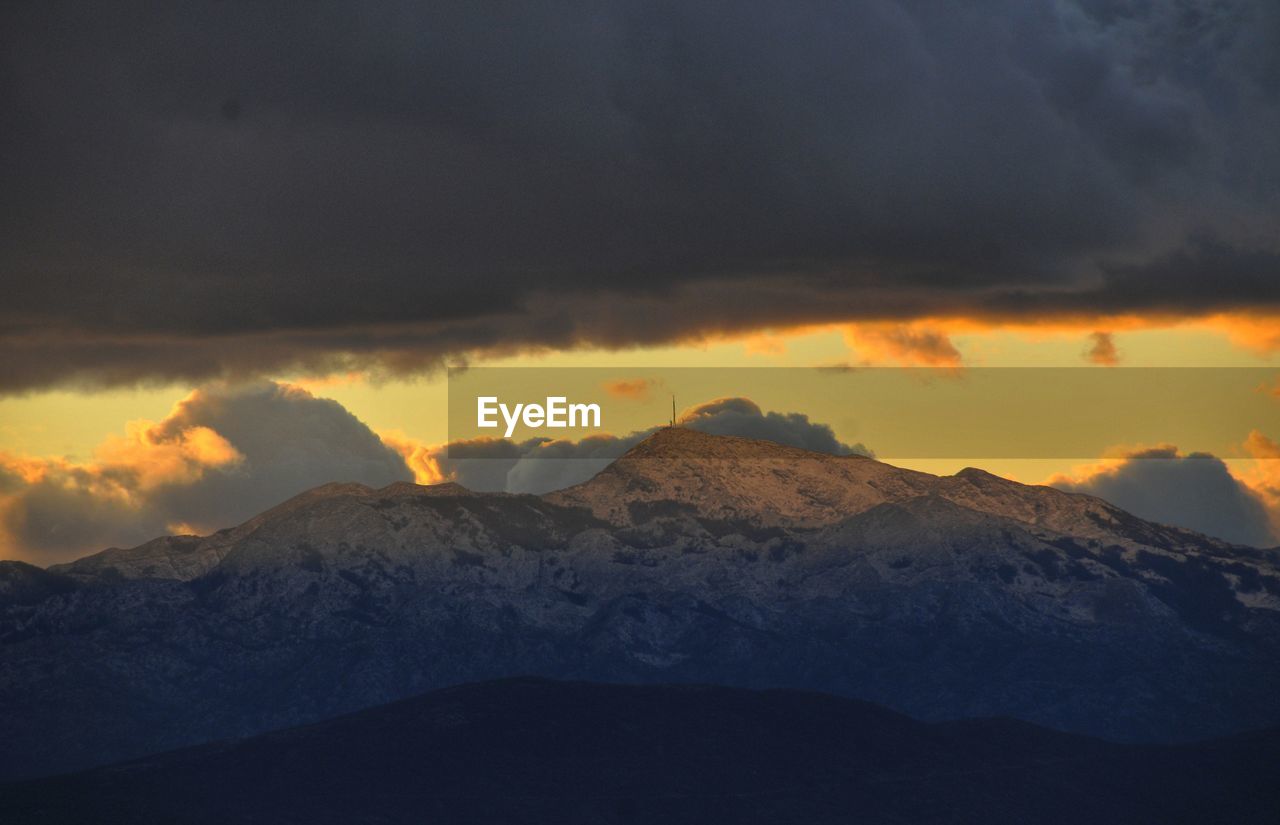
[750,571]
[654,470]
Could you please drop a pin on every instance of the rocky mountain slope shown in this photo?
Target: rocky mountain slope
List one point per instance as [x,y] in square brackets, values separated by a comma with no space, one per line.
[537,751]
[693,558]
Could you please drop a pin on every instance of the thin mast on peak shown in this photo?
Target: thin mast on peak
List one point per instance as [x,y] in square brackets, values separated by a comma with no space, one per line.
[673,409]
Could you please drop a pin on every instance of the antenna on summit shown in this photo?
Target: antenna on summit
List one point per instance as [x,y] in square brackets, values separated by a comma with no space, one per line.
[673,409]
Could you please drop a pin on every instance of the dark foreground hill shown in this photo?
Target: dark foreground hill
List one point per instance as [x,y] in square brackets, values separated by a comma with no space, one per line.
[694,558]
[532,751]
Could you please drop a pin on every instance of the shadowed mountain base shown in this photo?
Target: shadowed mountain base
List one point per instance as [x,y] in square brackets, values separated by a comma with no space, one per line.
[535,751]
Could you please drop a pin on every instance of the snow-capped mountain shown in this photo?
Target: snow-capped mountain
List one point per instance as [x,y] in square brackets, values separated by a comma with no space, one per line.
[692,558]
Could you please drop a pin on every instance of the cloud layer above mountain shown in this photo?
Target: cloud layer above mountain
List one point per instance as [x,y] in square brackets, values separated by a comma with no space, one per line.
[217,189]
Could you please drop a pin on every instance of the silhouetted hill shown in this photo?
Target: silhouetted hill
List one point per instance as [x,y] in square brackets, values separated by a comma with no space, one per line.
[532,751]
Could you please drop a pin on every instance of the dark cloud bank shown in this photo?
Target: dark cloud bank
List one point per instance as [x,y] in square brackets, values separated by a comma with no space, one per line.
[193,189]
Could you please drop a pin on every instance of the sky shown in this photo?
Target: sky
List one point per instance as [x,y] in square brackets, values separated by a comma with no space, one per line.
[241,243]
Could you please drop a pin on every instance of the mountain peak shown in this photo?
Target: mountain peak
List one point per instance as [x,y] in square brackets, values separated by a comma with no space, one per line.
[729,477]
[977,475]
[409,488]
[677,441]
[686,442]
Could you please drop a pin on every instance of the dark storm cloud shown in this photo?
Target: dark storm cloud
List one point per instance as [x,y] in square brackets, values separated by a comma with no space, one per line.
[193,190]
[1196,491]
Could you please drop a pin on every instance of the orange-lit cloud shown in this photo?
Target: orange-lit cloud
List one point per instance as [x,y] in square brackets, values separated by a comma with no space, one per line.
[1261,447]
[116,485]
[223,454]
[766,342]
[631,389]
[1257,333]
[1263,473]
[388,352]
[422,459]
[317,383]
[1103,352]
[149,455]
[1272,390]
[907,344]
[931,340]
